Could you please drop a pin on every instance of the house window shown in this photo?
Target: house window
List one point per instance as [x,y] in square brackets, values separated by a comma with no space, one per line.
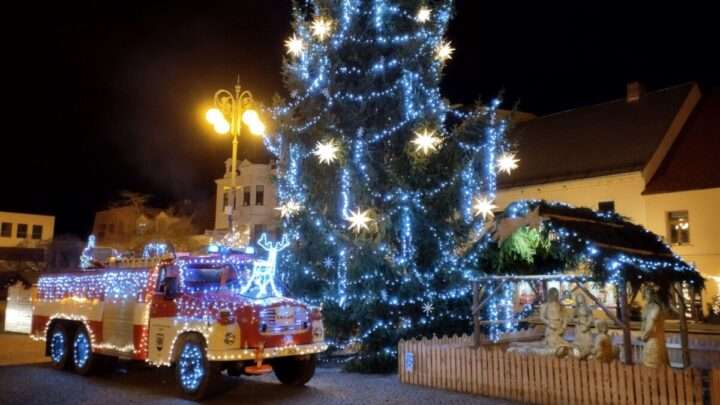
[606,206]
[37,232]
[21,231]
[6,229]
[111,228]
[678,224]
[101,230]
[259,195]
[226,198]
[246,196]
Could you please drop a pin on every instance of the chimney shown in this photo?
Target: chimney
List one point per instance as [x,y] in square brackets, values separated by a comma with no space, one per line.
[634,91]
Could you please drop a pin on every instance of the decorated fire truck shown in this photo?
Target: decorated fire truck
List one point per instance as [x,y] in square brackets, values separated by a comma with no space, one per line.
[200,314]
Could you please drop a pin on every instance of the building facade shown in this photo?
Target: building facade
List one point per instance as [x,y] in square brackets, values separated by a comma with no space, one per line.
[117,225]
[255,199]
[651,157]
[21,229]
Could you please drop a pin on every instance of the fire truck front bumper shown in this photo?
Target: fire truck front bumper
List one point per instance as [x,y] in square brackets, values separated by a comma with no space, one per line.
[267,353]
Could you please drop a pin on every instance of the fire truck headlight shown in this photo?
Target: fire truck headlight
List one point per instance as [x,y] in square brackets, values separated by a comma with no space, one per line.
[229,338]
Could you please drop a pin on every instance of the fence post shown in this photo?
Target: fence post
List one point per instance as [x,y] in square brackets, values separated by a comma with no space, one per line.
[715,386]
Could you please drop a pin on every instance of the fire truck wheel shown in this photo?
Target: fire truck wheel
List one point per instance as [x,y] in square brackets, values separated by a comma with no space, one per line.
[196,375]
[84,359]
[60,346]
[294,370]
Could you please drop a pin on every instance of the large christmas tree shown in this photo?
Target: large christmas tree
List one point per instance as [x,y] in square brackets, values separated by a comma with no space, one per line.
[384,187]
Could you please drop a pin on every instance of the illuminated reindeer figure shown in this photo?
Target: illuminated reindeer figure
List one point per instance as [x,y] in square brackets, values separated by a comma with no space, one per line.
[263,274]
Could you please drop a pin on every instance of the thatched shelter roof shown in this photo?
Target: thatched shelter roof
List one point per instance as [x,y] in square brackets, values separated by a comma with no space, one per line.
[614,247]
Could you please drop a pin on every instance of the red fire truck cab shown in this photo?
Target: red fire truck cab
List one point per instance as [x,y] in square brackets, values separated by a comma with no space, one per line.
[194,313]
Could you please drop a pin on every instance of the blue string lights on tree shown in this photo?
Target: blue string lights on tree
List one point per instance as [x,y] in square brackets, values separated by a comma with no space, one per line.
[386,172]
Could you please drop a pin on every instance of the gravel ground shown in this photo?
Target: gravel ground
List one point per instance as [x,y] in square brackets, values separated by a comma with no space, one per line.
[40,384]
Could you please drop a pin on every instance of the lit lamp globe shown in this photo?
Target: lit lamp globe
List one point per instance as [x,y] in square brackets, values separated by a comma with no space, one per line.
[222,127]
[214,115]
[252,120]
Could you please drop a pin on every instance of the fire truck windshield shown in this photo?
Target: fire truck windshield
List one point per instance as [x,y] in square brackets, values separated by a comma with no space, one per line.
[209,276]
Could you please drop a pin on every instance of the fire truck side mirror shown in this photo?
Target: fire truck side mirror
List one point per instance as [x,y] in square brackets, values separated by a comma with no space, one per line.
[170,288]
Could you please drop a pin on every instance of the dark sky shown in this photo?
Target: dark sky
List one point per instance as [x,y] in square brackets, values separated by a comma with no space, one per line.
[109,96]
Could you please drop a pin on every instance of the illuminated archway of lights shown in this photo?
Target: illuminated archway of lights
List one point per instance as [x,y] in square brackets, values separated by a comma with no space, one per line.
[484,207]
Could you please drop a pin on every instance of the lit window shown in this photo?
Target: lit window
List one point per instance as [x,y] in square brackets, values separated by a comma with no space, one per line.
[259,195]
[6,229]
[226,198]
[22,231]
[37,232]
[678,224]
[606,206]
[246,196]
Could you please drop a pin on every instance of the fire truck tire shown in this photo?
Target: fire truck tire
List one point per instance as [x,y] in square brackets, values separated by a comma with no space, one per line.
[197,376]
[83,359]
[294,370]
[60,346]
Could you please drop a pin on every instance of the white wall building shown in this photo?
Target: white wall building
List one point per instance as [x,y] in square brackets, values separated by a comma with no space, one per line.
[255,199]
[651,157]
[25,229]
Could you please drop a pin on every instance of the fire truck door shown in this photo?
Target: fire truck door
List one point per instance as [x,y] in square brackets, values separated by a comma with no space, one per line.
[163,312]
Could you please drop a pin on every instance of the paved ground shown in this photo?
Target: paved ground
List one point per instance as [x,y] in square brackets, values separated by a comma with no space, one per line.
[28,384]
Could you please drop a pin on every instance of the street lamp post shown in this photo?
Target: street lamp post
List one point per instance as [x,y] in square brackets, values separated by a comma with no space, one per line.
[228,115]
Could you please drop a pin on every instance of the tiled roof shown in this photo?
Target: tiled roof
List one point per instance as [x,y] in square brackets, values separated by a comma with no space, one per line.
[613,137]
[693,161]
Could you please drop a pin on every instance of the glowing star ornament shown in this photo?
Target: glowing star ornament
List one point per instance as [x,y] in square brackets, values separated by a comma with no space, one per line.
[321,28]
[289,209]
[426,141]
[359,220]
[507,163]
[484,206]
[295,45]
[327,152]
[328,263]
[262,278]
[423,14]
[444,51]
[428,308]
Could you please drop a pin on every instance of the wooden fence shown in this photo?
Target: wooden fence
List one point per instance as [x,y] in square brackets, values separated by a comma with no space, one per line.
[453,364]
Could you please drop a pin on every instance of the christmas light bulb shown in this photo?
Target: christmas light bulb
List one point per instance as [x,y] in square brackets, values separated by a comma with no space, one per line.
[507,162]
[321,28]
[295,45]
[327,152]
[426,141]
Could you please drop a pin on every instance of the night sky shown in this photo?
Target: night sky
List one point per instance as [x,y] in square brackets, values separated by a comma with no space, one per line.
[109,97]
